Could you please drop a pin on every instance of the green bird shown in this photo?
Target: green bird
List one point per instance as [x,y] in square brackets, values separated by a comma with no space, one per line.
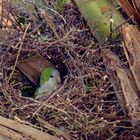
[49,81]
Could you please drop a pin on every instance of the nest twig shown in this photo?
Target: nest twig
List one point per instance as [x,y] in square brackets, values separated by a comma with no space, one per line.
[85,106]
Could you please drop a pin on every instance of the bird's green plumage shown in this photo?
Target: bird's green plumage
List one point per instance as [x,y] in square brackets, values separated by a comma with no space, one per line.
[45,75]
[49,80]
[37,93]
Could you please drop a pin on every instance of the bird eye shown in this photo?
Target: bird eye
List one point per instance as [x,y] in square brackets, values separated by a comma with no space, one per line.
[51,76]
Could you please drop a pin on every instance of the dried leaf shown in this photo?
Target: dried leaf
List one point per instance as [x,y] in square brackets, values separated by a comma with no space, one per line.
[32,67]
[137,5]
[111,61]
[18,131]
[129,97]
[131,47]
[130,11]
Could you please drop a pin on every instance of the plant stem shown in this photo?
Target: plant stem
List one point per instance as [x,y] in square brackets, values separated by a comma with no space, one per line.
[102,17]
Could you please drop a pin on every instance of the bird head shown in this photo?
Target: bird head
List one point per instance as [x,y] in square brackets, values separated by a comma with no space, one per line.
[49,80]
[50,73]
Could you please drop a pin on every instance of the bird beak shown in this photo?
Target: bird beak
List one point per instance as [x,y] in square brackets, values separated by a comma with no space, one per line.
[58,79]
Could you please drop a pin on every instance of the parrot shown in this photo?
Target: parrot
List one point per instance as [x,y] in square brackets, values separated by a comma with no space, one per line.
[49,81]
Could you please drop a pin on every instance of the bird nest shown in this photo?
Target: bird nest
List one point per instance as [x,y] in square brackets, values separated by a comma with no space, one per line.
[85,105]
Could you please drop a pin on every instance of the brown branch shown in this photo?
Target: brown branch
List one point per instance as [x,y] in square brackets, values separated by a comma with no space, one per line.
[9,134]
[50,23]
[54,129]
[20,43]
[17,130]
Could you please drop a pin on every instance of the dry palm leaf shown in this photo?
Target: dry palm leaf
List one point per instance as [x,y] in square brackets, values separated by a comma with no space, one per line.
[110,59]
[131,47]
[137,5]
[0,8]
[5,21]
[129,97]
[129,10]
[33,66]
[18,131]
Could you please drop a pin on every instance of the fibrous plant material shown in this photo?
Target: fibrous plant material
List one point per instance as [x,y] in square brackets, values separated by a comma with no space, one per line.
[101,16]
[129,10]
[6,21]
[18,131]
[129,98]
[85,106]
[50,23]
[33,66]
[137,5]
[57,131]
[131,47]
[111,60]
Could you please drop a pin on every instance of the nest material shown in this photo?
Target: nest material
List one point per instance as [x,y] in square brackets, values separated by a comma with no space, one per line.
[85,106]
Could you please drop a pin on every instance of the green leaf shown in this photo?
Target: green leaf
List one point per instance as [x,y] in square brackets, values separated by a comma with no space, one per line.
[102,17]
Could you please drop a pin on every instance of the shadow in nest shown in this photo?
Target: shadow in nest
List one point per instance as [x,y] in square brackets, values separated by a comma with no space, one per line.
[32,68]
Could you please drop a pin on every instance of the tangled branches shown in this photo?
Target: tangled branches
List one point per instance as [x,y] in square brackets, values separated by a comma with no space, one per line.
[85,106]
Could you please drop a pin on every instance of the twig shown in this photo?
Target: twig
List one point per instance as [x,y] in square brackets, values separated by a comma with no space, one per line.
[50,23]
[54,129]
[18,53]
